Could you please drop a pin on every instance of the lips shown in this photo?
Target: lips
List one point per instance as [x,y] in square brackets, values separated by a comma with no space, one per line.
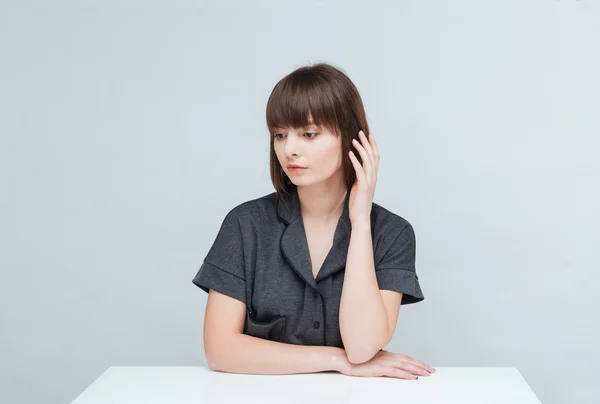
[296,170]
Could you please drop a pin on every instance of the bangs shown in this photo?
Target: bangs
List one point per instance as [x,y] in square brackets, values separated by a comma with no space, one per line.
[327,95]
[301,95]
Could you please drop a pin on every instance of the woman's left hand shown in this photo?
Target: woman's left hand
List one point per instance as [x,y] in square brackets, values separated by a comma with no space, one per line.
[363,190]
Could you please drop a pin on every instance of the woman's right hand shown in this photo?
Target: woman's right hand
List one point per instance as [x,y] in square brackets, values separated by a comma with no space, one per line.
[388,364]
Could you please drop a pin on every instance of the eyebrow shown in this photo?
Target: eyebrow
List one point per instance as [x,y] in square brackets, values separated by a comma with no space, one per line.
[309,124]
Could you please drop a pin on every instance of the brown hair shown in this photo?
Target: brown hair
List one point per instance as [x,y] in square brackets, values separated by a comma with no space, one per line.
[329,96]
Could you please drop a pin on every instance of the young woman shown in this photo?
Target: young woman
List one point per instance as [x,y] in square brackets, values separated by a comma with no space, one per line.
[310,278]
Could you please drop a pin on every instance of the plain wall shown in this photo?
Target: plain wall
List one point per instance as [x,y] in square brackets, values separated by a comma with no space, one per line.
[130,128]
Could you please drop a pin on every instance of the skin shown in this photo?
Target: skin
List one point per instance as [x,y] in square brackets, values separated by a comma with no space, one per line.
[321,192]
[320,187]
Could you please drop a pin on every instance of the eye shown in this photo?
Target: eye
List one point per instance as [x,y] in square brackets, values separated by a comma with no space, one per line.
[312,135]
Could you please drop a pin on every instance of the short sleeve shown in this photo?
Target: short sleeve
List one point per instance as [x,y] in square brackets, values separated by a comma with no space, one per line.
[396,270]
[223,267]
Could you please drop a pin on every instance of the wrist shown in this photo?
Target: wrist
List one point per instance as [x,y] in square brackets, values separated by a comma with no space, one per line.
[361,224]
[340,361]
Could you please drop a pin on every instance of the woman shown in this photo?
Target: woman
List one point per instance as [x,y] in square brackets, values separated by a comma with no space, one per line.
[310,278]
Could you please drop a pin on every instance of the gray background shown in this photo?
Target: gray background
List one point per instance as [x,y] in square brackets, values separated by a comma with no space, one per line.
[130,128]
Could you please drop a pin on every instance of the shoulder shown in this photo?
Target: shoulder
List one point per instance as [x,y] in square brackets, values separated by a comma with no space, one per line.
[251,211]
[394,241]
[386,223]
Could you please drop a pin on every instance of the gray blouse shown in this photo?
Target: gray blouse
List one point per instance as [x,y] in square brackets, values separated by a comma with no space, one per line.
[260,257]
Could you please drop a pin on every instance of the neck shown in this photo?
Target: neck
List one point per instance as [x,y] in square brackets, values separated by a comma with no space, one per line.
[322,203]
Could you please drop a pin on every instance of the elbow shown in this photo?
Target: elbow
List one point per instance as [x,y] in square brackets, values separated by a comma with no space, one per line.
[216,352]
[215,367]
[213,360]
[360,354]
[219,363]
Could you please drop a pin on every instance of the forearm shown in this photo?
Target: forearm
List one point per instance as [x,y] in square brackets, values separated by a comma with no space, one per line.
[242,353]
[363,318]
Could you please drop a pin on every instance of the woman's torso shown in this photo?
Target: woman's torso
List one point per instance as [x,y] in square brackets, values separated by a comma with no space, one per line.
[293,286]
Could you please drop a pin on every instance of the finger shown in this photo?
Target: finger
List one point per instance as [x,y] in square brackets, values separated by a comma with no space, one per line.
[360,173]
[365,157]
[375,150]
[416,370]
[400,374]
[366,145]
[405,358]
[408,367]
[421,365]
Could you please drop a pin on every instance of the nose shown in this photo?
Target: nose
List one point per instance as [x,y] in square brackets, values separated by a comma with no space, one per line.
[291,145]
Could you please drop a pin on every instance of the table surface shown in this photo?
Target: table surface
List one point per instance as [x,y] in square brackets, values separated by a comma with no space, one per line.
[198,384]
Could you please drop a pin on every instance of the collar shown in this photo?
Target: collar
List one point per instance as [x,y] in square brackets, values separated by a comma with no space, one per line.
[294,244]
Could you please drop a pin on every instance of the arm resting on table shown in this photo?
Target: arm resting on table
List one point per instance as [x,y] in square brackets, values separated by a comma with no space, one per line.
[227,349]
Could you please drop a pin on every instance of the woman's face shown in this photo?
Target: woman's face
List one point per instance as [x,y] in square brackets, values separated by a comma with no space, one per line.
[314,148]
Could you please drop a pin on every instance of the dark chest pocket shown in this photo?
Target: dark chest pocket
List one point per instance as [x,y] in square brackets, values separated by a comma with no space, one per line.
[273,330]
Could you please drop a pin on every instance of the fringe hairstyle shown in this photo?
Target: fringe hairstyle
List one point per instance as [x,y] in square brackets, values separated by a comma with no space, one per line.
[329,96]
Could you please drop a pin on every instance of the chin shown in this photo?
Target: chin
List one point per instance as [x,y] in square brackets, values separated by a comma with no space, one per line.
[299,182]
[306,181]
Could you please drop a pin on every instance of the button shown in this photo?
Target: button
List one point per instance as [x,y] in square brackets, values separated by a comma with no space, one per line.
[316,324]
[316,295]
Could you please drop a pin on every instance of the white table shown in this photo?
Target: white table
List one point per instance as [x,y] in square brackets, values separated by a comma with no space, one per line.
[197,385]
